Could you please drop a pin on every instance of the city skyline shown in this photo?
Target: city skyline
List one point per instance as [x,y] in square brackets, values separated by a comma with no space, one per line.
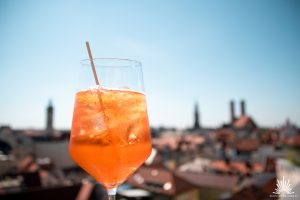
[204,52]
[236,110]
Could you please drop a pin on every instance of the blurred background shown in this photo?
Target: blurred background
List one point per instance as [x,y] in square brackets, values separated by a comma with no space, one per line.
[222,86]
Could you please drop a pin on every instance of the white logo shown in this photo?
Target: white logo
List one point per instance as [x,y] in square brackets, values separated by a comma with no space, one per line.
[283,189]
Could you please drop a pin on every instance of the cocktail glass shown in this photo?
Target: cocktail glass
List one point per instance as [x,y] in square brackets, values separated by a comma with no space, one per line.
[110,136]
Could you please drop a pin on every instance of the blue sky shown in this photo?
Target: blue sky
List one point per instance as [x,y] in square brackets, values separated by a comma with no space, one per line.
[205,51]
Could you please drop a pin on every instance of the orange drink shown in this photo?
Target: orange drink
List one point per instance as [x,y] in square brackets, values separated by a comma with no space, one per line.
[110,136]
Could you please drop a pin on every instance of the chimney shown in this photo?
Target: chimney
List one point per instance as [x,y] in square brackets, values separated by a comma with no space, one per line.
[232,113]
[243,108]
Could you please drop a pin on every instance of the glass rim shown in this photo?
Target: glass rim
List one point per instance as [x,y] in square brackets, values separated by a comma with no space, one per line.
[135,62]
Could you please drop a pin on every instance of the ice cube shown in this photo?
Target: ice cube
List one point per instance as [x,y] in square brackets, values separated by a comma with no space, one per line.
[132,138]
[133,134]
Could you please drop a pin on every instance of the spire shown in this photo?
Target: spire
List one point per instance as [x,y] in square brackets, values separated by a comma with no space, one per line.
[49,117]
[50,105]
[196,117]
[243,108]
[232,112]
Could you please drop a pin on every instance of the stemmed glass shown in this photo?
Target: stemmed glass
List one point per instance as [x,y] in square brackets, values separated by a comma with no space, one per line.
[110,136]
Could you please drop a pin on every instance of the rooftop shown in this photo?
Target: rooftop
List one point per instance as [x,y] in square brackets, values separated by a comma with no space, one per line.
[159,180]
[210,180]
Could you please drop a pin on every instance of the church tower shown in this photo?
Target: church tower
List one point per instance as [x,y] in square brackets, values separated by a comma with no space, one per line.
[196,117]
[49,117]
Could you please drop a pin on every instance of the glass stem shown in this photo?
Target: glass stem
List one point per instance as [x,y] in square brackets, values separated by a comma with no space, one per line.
[112,193]
[111,197]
